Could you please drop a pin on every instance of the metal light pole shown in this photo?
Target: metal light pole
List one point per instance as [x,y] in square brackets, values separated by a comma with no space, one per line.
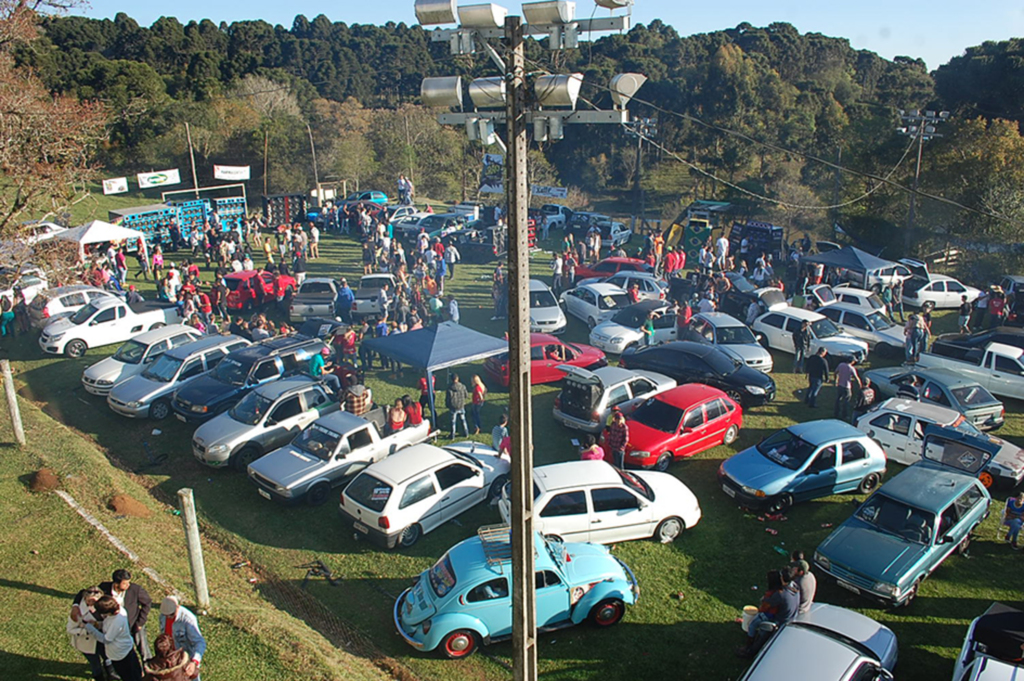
[921,125]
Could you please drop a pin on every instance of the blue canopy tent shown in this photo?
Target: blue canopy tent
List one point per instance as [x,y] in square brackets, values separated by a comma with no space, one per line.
[850,258]
[434,348]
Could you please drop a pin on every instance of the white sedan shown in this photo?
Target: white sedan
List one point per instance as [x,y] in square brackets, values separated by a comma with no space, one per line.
[940,292]
[399,499]
[30,280]
[590,501]
[594,303]
[546,314]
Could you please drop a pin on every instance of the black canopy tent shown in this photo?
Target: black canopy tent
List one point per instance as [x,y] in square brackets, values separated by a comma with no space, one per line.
[438,347]
[850,258]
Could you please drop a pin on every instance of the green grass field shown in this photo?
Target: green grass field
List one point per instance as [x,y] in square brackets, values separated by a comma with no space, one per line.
[718,566]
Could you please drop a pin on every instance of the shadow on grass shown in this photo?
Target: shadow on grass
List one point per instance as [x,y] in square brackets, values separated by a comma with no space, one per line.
[35,588]
[27,668]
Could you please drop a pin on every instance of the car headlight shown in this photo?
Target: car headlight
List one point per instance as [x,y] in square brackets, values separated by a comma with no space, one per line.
[217,450]
[134,405]
[57,337]
[822,561]
[754,390]
[753,491]
[104,382]
[886,588]
[200,408]
[617,339]
[639,454]
[721,469]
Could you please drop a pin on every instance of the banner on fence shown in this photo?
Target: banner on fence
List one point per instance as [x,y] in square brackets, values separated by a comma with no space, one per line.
[115,185]
[159,179]
[233,173]
[549,192]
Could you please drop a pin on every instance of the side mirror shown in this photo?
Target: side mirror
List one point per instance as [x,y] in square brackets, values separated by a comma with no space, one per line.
[270,421]
[948,539]
[686,429]
[759,337]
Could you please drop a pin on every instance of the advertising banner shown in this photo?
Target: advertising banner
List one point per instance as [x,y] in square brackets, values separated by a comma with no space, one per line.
[234,173]
[492,178]
[115,185]
[159,179]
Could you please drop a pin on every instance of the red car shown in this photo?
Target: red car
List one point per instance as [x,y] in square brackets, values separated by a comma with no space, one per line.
[546,353]
[252,288]
[610,266]
[679,423]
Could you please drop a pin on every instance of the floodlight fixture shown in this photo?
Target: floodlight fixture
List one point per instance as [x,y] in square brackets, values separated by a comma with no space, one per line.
[558,91]
[433,12]
[624,86]
[550,12]
[488,93]
[613,4]
[482,16]
[445,91]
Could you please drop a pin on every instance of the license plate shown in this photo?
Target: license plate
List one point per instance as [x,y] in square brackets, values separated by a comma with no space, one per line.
[847,586]
[729,491]
[181,418]
[263,493]
[361,528]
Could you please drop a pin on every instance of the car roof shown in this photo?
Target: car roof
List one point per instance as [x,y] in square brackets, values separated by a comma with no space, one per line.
[718,319]
[202,345]
[859,292]
[689,347]
[947,377]
[648,305]
[275,389]
[73,288]
[616,258]
[154,335]
[687,395]
[103,303]
[575,474]
[538,285]
[270,347]
[824,430]
[822,656]
[544,339]
[927,487]
[927,410]
[317,280]
[846,307]
[410,462]
[244,274]
[798,313]
[1010,350]
[603,288]
[636,274]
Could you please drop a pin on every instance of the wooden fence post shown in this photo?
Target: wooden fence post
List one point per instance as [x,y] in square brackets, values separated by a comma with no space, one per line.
[12,402]
[195,549]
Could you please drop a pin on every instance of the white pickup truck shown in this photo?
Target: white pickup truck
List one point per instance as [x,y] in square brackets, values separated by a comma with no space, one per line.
[331,450]
[556,216]
[999,367]
[105,321]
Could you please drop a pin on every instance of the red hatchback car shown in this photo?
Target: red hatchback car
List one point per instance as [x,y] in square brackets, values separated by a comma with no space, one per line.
[252,288]
[546,353]
[679,423]
[610,266]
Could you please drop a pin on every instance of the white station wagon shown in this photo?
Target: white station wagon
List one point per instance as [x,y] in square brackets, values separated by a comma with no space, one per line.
[591,501]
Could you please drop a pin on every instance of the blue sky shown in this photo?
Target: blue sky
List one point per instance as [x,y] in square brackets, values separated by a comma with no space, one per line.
[934,31]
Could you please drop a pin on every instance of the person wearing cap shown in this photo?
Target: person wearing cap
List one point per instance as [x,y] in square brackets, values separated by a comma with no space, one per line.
[181,624]
[616,436]
[317,366]
[806,582]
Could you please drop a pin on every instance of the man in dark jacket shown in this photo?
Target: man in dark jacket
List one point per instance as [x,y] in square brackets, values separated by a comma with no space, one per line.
[456,399]
[817,374]
[136,603]
[801,346]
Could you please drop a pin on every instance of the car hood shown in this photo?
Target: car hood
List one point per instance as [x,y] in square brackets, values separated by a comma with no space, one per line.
[751,469]
[871,552]
[546,314]
[287,465]
[110,369]
[221,429]
[894,334]
[644,438]
[58,326]
[614,330]
[206,390]
[843,343]
[668,489]
[749,376]
[140,389]
[745,353]
[591,563]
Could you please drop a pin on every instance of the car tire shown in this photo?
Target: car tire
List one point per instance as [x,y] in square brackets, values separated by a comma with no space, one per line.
[607,613]
[669,530]
[730,435]
[735,396]
[75,349]
[410,536]
[964,545]
[869,483]
[986,479]
[243,457]
[663,462]
[780,504]
[591,323]
[911,595]
[158,325]
[496,487]
[459,644]
[318,494]
[159,410]
[876,288]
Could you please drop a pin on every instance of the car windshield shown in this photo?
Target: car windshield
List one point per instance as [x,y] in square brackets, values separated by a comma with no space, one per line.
[372,285]
[740,283]
[896,517]
[542,298]
[637,484]
[972,395]
[442,577]
[318,441]
[369,492]
[879,321]
[83,314]
[231,371]
[735,335]
[314,287]
[164,369]
[786,449]
[233,283]
[251,408]
[131,352]
[612,301]
[824,328]
[658,415]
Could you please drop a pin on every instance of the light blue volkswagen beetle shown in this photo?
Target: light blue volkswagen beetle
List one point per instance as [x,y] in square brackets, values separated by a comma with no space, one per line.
[464,600]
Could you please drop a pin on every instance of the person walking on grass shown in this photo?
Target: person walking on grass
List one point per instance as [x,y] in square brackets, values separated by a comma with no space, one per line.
[456,398]
[479,397]
[846,376]
[801,346]
[817,374]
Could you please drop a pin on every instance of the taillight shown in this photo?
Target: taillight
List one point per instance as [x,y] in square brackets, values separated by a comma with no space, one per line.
[384,522]
[342,499]
[354,306]
[46,312]
[558,402]
[595,416]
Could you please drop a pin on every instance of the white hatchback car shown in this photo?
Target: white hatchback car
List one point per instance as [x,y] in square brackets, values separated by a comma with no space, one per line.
[587,397]
[778,325]
[133,357]
[624,329]
[861,299]
[591,501]
[63,301]
[398,500]
[649,286]
[940,292]
[546,314]
[874,328]
[594,303]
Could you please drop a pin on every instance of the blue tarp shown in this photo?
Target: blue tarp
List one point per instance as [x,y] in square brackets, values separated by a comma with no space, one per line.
[849,258]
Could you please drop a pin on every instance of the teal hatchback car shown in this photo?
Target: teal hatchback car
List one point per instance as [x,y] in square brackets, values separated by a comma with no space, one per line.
[464,600]
[906,529]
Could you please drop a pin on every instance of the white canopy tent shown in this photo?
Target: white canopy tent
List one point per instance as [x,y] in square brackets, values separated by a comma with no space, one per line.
[98,231]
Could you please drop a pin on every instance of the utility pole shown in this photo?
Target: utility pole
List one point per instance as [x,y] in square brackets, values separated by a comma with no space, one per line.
[524,603]
[192,157]
[920,125]
[316,173]
[641,128]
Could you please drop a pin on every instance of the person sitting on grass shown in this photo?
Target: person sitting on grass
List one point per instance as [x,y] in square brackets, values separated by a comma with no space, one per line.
[780,604]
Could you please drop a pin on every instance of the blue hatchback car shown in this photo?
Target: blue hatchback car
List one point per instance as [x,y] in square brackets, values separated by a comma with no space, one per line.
[906,529]
[802,462]
[464,600]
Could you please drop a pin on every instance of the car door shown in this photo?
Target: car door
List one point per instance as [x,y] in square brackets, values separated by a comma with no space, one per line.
[553,598]
[461,488]
[716,422]
[857,325]
[665,328]
[692,431]
[771,326]
[281,424]
[421,503]
[959,519]
[190,369]
[639,389]
[587,307]
[1006,379]
[786,334]
[155,350]
[818,477]
[566,515]
[313,399]
[892,432]
[265,371]
[618,515]
[854,463]
[572,302]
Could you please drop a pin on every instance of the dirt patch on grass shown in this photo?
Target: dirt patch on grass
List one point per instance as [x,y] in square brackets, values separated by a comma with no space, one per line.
[123,504]
[43,480]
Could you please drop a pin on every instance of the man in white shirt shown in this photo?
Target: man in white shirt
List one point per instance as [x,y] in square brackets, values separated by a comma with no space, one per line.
[706,305]
[314,242]
[557,268]
[721,251]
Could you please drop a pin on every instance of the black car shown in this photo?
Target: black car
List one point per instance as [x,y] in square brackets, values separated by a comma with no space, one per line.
[689,362]
[957,345]
[737,299]
[242,370]
[479,246]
